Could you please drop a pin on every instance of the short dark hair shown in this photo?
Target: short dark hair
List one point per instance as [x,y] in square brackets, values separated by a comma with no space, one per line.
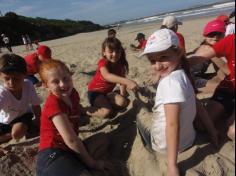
[111,31]
[12,63]
[140,36]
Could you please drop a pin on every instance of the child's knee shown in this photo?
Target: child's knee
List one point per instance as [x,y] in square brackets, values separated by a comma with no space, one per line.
[18,132]
[106,113]
[231,132]
[121,102]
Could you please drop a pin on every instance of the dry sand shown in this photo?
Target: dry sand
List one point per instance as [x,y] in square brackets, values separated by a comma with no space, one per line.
[81,53]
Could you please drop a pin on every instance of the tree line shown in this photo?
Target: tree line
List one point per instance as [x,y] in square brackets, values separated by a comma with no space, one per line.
[14,26]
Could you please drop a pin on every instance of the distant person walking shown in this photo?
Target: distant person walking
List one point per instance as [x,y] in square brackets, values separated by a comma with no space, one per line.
[29,42]
[6,42]
[24,40]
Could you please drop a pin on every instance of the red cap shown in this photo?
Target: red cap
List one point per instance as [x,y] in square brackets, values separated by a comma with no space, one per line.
[45,52]
[214,26]
[223,18]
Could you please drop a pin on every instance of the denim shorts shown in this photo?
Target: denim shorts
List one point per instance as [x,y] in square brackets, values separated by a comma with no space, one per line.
[92,96]
[58,162]
[33,79]
[145,133]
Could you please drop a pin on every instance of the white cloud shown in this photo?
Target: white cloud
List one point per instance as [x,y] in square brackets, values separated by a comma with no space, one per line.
[25,9]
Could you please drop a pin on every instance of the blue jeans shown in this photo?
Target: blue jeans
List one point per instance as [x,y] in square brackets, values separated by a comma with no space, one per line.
[145,133]
[58,162]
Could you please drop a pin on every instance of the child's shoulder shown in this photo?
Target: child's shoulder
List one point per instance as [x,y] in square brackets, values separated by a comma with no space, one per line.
[28,85]
[176,77]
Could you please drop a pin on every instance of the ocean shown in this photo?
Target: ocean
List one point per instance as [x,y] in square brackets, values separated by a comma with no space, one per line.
[203,11]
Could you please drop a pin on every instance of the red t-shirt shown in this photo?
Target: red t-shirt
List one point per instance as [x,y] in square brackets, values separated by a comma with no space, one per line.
[99,84]
[181,40]
[142,44]
[49,135]
[32,62]
[226,48]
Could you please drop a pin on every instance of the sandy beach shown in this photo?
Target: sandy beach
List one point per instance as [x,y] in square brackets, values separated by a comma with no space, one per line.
[81,52]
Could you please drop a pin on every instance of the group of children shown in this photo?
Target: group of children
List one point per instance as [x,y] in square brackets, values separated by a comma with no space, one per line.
[61,151]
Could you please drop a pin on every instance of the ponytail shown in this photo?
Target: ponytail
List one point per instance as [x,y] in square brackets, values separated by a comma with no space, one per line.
[186,67]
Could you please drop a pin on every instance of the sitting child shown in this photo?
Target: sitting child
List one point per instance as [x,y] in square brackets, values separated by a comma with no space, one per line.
[172,130]
[34,60]
[142,43]
[61,151]
[17,99]
[112,69]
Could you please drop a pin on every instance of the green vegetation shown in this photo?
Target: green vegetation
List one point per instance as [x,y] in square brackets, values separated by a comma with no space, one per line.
[42,29]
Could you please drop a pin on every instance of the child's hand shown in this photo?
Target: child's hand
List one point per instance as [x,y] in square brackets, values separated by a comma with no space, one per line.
[131,85]
[132,46]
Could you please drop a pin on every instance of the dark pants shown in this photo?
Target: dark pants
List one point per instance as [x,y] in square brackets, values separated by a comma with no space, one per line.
[57,162]
[92,96]
[26,119]
[33,79]
[225,98]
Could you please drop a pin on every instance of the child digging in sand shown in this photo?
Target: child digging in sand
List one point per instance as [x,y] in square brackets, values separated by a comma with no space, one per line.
[172,129]
[61,151]
[225,92]
[17,99]
[112,69]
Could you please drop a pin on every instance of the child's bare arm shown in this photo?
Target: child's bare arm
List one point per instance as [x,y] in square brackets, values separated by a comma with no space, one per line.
[73,142]
[172,112]
[112,78]
[123,91]
[203,53]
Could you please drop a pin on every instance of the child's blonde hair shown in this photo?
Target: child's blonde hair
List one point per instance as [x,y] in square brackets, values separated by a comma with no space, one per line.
[51,64]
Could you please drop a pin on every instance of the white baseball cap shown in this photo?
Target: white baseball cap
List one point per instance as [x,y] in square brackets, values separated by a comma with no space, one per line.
[161,40]
[171,21]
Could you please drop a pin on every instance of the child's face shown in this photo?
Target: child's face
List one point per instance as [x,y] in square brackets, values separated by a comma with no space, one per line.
[214,37]
[13,81]
[59,82]
[165,62]
[112,55]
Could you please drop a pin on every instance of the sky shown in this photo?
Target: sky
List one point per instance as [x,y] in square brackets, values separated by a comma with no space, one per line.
[98,11]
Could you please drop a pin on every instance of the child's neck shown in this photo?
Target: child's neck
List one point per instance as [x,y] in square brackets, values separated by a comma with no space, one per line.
[67,101]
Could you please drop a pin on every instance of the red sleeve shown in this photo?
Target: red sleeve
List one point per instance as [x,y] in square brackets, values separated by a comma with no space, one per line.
[53,106]
[102,63]
[181,40]
[222,47]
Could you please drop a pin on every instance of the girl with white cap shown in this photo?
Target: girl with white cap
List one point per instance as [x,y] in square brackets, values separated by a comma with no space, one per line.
[172,129]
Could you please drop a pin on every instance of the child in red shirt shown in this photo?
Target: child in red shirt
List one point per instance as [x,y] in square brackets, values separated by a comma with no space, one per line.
[142,42]
[61,151]
[33,61]
[112,68]
[225,92]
